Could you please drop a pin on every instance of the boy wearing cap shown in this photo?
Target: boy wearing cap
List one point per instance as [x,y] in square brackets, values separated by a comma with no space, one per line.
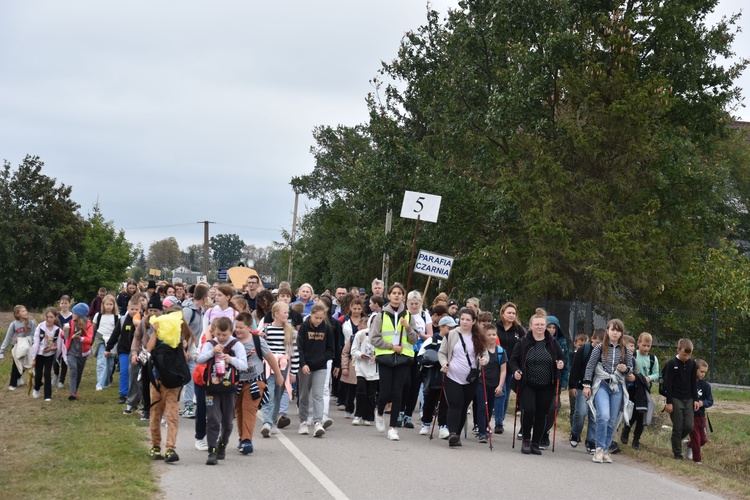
[433,379]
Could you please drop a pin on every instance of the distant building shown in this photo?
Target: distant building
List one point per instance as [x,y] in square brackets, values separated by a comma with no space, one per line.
[184,275]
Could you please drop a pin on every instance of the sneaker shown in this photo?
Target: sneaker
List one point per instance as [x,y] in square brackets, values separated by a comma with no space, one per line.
[128,410]
[678,456]
[590,447]
[283,422]
[171,456]
[698,463]
[55,379]
[482,438]
[606,458]
[11,388]
[146,416]
[536,449]
[366,423]
[73,397]
[122,400]
[327,422]
[424,430]
[544,443]
[454,440]
[598,456]
[59,385]
[20,382]
[35,394]
[201,445]
[686,450]
[392,434]
[155,453]
[444,433]
[574,440]
[526,447]
[341,407]
[614,448]
[213,459]
[303,428]
[99,388]
[319,430]
[246,447]
[400,420]
[357,421]
[379,422]
[636,444]
[48,399]
[274,430]
[625,434]
[189,412]
[221,451]
[347,415]
[499,429]
[408,424]
[519,435]
[266,430]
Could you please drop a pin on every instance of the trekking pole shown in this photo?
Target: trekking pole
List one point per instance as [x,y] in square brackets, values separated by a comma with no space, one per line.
[557,402]
[515,411]
[486,409]
[437,407]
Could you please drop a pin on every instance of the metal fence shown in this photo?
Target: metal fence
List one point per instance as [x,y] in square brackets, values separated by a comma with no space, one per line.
[722,338]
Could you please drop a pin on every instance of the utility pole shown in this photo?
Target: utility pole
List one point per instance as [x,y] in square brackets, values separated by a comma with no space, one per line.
[386,256]
[205,245]
[294,234]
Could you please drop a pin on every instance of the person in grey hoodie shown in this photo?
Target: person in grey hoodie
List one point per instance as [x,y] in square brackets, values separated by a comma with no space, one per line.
[21,326]
[192,314]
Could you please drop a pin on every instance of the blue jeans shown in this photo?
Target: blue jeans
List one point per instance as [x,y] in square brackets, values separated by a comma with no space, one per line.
[124,374]
[200,412]
[271,410]
[501,402]
[581,411]
[608,405]
[104,367]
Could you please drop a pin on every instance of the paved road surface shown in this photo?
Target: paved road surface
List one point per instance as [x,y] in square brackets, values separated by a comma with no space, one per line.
[360,463]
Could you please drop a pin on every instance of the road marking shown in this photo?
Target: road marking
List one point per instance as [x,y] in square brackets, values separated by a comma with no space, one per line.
[312,468]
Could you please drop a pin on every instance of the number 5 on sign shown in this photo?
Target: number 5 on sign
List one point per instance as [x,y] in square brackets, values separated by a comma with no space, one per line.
[424,206]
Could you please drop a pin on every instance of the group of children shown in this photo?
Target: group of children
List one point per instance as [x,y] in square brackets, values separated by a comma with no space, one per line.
[228,370]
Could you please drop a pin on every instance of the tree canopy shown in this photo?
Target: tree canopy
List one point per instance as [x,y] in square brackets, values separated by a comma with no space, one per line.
[583,150]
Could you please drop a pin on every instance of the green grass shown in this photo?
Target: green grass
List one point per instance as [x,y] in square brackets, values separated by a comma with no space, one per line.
[731,395]
[64,449]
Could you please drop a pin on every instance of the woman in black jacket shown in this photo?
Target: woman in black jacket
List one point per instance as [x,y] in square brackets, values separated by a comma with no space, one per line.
[536,363]
[509,333]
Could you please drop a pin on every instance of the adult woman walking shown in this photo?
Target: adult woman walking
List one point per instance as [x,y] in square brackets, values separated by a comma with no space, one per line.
[509,332]
[461,355]
[535,363]
[392,334]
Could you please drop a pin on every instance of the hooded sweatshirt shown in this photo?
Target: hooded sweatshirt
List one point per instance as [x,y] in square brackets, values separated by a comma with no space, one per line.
[18,329]
[315,345]
[563,343]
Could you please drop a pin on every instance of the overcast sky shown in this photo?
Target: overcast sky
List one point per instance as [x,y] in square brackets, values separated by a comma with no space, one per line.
[169,112]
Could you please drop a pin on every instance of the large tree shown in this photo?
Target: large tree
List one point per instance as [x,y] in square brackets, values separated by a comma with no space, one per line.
[227,249]
[164,254]
[579,147]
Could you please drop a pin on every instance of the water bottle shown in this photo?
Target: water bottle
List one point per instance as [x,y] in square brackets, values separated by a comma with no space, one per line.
[220,367]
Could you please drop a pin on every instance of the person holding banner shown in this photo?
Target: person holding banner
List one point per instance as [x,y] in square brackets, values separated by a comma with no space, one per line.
[393,334]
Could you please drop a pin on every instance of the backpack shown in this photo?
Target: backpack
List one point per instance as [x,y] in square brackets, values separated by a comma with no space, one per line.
[662,385]
[227,383]
[168,365]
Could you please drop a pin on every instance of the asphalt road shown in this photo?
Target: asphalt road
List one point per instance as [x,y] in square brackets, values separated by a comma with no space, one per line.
[360,463]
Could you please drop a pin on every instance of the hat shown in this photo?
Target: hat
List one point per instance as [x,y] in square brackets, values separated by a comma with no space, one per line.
[155,302]
[170,301]
[362,291]
[447,321]
[80,310]
[151,285]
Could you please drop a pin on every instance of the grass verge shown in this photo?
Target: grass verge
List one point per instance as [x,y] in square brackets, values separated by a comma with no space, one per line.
[72,449]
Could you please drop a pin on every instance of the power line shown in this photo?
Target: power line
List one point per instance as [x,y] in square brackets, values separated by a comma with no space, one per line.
[250,227]
[158,227]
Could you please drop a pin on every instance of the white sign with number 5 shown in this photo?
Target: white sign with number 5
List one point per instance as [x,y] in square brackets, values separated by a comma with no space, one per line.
[424,206]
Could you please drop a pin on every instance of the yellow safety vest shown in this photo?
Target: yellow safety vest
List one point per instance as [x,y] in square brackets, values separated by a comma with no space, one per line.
[388,331]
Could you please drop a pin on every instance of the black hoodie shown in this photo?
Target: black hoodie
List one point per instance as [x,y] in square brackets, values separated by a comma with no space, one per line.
[315,344]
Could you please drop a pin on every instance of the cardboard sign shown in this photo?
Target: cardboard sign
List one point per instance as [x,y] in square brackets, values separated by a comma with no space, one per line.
[424,206]
[433,264]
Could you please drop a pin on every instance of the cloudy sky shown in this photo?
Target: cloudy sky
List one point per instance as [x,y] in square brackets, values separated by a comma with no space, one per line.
[169,113]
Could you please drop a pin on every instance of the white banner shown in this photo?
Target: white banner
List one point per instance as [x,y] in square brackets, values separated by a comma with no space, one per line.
[433,264]
[424,206]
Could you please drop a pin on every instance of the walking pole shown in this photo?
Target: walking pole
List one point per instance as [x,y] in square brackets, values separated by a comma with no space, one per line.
[486,408]
[557,402]
[515,411]
[437,408]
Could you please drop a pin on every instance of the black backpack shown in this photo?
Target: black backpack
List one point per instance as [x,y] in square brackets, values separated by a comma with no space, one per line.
[662,385]
[168,366]
[227,383]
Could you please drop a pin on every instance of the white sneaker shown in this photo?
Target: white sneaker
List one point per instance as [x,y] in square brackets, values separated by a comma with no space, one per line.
[319,430]
[392,434]
[366,423]
[598,456]
[54,380]
[425,430]
[443,433]
[606,458]
[99,388]
[303,428]
[357,421]
[201,445]
[688,449]
[266,430]
[327,422]
[274,430]
[35,394]
[11,388]
[60,385]
[21,382]
[48,399]
[379,422]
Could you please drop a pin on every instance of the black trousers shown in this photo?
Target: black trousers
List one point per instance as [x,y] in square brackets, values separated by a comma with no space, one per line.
[535,402]
[458,398]
[392,380]
[43,368]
